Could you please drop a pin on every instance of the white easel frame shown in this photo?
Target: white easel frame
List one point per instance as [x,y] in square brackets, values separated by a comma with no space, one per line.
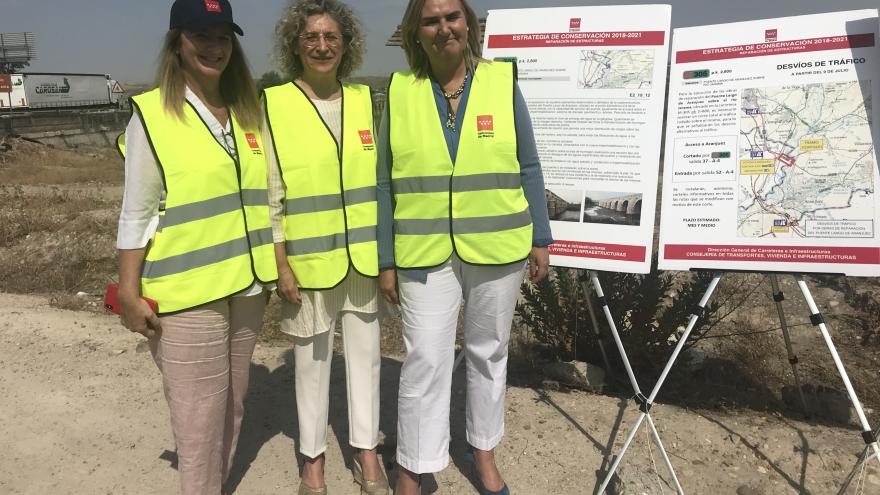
[645,403]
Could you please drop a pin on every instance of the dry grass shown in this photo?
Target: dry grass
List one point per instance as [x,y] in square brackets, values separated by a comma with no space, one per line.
[36,210]
[28,163]
[57,251]
[58,224]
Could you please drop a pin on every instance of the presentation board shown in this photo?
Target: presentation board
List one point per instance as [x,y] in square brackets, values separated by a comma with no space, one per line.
[594,80]
[770,162]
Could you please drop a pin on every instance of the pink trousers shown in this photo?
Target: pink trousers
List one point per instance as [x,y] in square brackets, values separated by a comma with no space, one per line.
[204,355]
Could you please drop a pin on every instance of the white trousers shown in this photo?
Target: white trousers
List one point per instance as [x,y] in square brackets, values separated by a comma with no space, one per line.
[430,317]
[312,358]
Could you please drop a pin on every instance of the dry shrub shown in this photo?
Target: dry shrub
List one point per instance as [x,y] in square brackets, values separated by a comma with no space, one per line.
[649,311]
[867,317]
[760,355]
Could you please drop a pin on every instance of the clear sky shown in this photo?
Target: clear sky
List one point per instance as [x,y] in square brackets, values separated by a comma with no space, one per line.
[122,37]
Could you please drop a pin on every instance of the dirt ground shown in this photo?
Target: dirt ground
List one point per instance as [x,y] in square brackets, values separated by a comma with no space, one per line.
[83,410]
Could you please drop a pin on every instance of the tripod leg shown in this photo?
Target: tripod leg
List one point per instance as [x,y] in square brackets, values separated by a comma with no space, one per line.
[646,403]
[616,463]
[597,286]
[595,322]
[698,312]
[602,302]
[854,472]
[778,297]
[816,317]
[665,455]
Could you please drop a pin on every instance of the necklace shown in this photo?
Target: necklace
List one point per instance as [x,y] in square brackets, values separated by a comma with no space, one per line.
[455,94]
[450,114]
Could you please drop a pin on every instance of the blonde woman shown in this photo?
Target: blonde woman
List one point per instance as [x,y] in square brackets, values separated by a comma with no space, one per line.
[195,236]
[323,201]
[468,215]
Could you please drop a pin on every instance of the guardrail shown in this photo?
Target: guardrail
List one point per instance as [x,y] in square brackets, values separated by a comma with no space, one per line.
[81,105]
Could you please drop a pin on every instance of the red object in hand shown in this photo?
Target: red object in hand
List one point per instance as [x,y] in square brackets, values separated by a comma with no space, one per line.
[111,300]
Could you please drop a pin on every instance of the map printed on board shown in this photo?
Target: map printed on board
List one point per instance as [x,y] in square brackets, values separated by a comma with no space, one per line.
[594,82]
[807,161]
[616,69]
[770,160]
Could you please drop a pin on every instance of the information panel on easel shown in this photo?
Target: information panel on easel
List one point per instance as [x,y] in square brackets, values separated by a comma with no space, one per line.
[594,80]
[770,162]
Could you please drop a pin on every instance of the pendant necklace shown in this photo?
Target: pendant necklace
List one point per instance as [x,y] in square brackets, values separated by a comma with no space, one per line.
[450,114]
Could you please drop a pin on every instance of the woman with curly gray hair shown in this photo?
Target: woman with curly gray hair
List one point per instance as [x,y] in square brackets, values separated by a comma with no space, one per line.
[322,183]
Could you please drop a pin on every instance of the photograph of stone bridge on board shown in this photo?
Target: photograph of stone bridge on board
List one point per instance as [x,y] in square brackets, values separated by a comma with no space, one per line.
[564,205]
[612,207]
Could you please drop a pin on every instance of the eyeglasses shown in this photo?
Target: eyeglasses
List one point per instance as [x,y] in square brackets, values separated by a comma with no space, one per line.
[312,40]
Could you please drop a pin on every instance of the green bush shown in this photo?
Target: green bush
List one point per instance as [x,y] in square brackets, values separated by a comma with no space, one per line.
[650,311]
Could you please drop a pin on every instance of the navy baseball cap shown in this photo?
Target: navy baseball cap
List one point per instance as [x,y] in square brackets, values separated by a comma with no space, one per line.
[197,14]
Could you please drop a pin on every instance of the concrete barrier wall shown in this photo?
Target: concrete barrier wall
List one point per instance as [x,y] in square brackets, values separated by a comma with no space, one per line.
[67,128]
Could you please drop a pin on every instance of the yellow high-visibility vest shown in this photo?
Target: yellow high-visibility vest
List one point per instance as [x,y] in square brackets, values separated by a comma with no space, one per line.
[214,237]
[330,204]
[474,206]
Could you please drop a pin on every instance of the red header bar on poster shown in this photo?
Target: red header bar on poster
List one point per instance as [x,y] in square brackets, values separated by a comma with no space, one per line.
[776,48]
[619,252]
[607,38]
[785,254]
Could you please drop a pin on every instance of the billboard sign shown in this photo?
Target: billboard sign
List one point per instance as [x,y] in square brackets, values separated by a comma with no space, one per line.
[594,80]
[770,161]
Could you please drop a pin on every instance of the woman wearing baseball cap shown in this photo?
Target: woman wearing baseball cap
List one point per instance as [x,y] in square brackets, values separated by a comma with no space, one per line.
[195,235]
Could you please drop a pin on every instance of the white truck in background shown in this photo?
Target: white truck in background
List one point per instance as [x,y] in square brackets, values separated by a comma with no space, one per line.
[12,94]
[57,91]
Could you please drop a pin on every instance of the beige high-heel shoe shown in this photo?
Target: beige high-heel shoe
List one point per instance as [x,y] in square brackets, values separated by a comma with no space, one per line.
[368,487]
[305,489]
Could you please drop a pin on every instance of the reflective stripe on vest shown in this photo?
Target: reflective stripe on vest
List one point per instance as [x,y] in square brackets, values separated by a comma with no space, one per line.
[489,222]
[214,237]
[330,207]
